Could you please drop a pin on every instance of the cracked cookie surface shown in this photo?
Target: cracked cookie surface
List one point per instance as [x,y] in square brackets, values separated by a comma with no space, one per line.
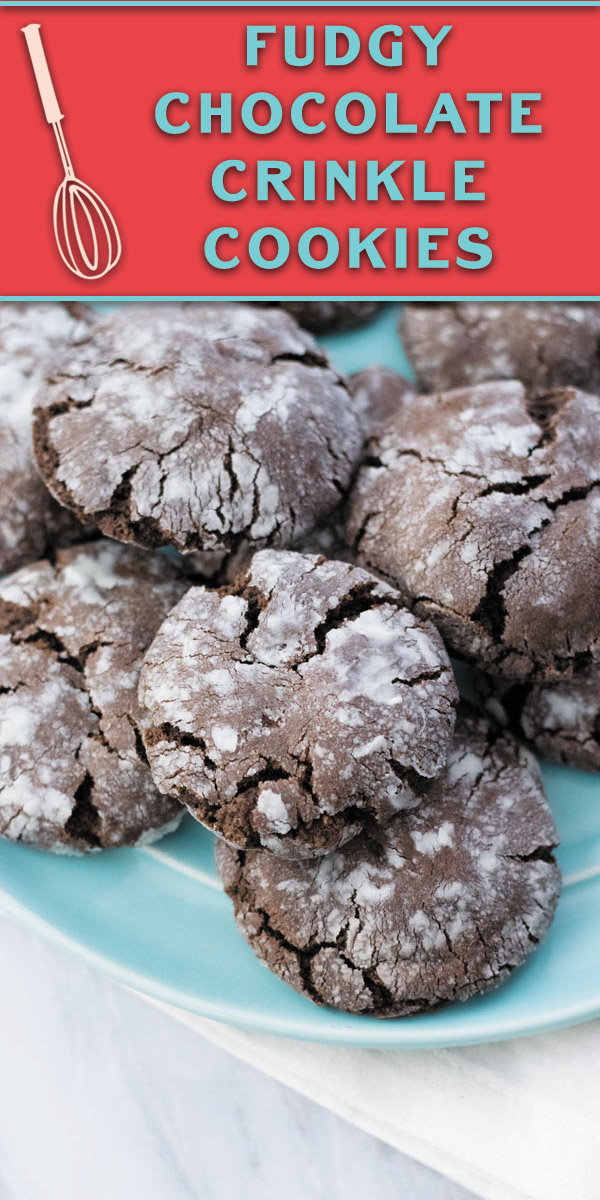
[441,903]
[73,773]
[560,721]
[32,524]
[297,708]
[210,427]
[482,505]
[547,344]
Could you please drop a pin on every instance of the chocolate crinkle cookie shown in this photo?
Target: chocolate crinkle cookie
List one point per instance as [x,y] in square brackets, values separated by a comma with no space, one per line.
[482,505]
[73,773]
[442,902]
[327,316]
[560,721]
[211,427]
[32,524]
[546,344]
[296,709]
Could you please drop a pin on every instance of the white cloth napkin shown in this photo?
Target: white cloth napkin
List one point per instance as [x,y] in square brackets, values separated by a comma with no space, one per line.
[515,1120]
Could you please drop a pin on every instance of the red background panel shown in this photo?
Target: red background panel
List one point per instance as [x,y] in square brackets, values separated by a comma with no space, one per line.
[110,66]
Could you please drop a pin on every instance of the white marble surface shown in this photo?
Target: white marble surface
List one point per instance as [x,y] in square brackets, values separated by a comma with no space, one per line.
[101,1095]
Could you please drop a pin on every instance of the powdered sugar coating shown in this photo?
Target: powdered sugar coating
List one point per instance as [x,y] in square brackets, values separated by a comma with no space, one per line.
[73,775]
[546,344]
[483,506]
[211,427]
[297,708]
[32,522]
[442,902]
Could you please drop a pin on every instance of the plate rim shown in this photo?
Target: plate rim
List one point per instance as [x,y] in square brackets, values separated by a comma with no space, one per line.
[388,1035]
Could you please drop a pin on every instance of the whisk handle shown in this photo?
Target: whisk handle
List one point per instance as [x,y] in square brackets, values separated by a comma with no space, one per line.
[42,74]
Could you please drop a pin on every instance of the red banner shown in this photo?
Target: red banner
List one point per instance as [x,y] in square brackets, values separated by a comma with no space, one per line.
[418,197]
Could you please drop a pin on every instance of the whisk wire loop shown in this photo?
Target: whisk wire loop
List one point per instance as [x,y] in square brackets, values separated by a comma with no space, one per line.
[77,197]
[88,261]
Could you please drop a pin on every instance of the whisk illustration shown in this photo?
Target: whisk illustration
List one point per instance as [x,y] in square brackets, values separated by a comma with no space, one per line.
[86,233]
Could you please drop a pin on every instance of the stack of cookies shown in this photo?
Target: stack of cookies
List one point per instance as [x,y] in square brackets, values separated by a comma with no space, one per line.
[236,581]
[538,673]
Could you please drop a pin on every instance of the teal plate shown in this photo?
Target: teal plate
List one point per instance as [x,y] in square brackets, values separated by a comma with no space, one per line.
[156,919]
